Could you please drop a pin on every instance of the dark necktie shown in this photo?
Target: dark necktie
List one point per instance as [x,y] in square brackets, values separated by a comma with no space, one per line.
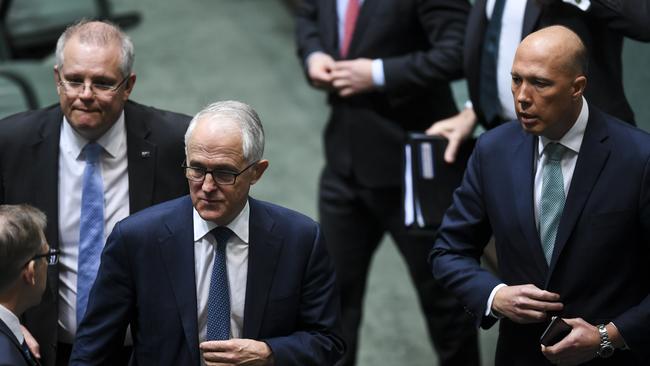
[31,360]
[488,91]
[351,14]
[551,203]
[91,226]
[219,297]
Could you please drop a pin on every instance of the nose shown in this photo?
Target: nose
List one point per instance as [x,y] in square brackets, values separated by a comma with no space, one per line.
[209,185]
[522,95]
[86,92]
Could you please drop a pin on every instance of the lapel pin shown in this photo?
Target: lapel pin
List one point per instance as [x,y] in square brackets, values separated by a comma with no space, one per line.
[145,154]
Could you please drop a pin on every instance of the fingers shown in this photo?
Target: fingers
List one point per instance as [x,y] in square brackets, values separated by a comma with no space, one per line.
[320,66]
[452,150]
[525,303]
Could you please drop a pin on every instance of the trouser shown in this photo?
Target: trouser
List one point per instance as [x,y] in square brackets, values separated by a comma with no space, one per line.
[354,220]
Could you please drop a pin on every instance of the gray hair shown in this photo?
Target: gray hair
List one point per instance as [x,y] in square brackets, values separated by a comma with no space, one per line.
[100,33]
[252,132]
[21,230]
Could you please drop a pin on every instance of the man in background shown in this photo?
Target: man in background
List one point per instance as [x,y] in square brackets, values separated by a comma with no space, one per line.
[87,162]
[24,258]
[386,66]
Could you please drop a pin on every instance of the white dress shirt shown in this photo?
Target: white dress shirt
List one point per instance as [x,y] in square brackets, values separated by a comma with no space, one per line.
[116,207]
[11,321]
[572,139]
[236,263]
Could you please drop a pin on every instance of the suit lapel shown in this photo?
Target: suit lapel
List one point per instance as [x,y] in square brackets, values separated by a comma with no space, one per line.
[263,252]
[141,155]
[524,177]
[593,155]
[177,253]
[45,160]
[363,20]
[531,17]
[10,335]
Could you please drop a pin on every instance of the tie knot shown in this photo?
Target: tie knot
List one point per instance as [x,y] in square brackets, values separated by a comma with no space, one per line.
[221,234]
[92,151]
[555,151]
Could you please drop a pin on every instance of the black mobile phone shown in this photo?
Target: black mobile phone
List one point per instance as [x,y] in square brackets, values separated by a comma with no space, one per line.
[557,329]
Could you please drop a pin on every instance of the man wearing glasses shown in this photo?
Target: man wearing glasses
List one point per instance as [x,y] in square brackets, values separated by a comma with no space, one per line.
[87,162]
[24,258]
[216,277]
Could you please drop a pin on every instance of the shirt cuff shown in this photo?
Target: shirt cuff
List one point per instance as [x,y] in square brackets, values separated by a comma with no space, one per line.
[488,309]
[469,104]
[378,73]
[581,4]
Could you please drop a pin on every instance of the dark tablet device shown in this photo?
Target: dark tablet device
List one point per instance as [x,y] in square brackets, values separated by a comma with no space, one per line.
[557,329]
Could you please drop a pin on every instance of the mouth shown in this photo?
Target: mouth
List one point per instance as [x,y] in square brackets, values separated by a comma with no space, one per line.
[527,118]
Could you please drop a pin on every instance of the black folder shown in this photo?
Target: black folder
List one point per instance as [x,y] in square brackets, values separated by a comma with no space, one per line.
[429,181]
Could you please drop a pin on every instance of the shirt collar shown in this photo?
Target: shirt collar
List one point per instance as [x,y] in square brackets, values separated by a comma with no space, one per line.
[11,320]
[112,141]
[239,225]
[572,139]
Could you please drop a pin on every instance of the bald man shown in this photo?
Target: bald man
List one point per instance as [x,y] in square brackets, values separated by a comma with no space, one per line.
[568,202]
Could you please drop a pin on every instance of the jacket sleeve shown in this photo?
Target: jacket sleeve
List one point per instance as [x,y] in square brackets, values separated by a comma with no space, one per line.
[444,23]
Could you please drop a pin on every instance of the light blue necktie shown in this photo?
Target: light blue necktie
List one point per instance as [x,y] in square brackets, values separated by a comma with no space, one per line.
[552,201]
[91,226]
[219,297]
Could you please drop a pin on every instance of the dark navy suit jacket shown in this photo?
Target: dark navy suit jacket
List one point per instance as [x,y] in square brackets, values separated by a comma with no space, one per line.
[146,279]
[10,351]
[600,262]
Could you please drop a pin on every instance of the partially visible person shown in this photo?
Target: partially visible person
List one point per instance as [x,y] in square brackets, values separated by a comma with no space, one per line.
[495,28]
[87,162]
[386,67]
[566,193]
[216,277]
[24,259]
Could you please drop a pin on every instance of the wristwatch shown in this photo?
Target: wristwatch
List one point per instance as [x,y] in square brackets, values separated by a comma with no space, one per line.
[606,347]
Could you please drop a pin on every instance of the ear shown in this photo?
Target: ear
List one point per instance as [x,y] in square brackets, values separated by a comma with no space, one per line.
[29,273]
[578,87]
[128,88]
[258,170]
[57,79]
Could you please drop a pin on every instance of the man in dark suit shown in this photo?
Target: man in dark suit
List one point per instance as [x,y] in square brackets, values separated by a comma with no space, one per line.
[566,194]
[23,274]
[42,162]
[602,26]
[216,277]
[386,65]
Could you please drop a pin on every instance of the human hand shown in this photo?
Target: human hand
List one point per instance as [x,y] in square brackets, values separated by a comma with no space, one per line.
[352,77]
[31,342]
[577,347]
[525,303]
[236,351]
[455,129]
[319,65]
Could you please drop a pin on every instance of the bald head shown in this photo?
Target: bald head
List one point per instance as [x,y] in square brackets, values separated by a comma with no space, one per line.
[563,47]
[548,81]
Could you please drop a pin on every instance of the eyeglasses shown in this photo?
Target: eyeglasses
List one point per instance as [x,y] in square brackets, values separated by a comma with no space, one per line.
[221,177]
[74,88]
[52,256]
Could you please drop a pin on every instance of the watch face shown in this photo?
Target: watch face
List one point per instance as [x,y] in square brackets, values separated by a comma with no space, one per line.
[606,350]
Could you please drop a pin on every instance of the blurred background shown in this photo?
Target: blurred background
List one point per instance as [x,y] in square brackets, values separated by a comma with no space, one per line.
[193,52]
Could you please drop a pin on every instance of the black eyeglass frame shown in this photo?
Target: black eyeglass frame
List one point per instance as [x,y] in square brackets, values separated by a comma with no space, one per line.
[204,172]
[52,256]
[104,88]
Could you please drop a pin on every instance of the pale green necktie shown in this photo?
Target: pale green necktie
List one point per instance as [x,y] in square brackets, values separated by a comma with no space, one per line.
[552,200]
